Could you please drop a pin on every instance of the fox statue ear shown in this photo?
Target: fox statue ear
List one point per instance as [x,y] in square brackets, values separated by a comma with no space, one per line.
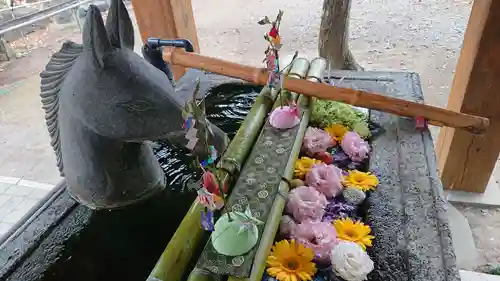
[119,26]
[95,37]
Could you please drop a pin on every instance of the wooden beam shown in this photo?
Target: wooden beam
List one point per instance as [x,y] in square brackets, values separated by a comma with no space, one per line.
[167,19]
[259,76]
[466,161]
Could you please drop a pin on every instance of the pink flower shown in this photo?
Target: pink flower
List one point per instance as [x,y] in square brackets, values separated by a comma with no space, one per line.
[316,140]
[285,117]
[327,179]
[355,147]
[306,203]
[321,237]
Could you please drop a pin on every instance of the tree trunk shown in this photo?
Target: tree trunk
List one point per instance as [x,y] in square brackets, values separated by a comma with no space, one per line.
[334,33]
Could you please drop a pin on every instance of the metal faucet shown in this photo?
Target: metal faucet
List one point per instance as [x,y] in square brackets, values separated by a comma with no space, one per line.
[153,49]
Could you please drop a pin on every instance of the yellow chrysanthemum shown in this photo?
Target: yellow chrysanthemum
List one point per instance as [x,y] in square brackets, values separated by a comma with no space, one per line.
[304,165]
[356,232]
[361,180]
[291,261]
[336,131]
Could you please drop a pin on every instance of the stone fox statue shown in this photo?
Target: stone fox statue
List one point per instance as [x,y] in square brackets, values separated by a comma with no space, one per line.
[102,101]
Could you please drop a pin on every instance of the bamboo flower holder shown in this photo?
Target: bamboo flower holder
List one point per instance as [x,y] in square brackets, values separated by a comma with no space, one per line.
[316,69]
[189,236]
[435,115]
[299,69]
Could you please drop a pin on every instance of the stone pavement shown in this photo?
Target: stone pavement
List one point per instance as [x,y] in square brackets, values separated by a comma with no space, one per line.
[17,197]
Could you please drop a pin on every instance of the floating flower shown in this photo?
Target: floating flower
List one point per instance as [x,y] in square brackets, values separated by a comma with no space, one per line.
[354,196]
[340,159]
[291,261]
[327,179]
[356,232]
[325,157]
[337,209]
[284,117]
[306,203]
[355,147]
[336,131]
[304,165]
[350,261]
[364,181]
[316,140]
[355,166]
[321,237]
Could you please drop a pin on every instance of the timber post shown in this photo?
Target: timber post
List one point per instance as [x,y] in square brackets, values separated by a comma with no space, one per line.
[167,19]
[467,161]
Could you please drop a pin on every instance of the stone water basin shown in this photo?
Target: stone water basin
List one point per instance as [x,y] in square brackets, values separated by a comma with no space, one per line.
[62,240]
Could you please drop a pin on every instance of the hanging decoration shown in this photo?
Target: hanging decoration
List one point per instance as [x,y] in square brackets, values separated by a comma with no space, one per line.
[287,116]
[198,132]
[275,79]
[234,232]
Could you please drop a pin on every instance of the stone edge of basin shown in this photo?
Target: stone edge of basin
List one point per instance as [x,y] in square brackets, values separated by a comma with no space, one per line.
[407,212]
[34,234]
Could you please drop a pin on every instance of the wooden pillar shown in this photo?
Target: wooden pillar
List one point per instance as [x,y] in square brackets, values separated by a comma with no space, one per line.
[167,19]
[466,161]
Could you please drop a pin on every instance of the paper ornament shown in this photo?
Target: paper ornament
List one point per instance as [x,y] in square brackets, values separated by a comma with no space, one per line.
[209,200]
[207,220]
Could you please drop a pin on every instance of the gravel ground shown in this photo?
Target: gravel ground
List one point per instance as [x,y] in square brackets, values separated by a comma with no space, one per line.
[399,35]
[484,223]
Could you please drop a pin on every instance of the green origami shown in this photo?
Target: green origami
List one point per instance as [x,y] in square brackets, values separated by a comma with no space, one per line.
[235,234]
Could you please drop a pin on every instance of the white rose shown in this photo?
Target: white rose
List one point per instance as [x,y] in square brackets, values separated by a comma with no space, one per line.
[350,261]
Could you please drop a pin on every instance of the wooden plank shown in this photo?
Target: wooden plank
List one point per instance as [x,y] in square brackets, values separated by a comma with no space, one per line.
[167,19]
[466,161]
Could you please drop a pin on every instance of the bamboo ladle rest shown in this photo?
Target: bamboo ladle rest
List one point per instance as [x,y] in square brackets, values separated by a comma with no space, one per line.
[434,115]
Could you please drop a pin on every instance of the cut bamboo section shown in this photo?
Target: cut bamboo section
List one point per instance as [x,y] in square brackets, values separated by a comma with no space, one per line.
[189,236]
[316,69]
[435,115]
[299,68]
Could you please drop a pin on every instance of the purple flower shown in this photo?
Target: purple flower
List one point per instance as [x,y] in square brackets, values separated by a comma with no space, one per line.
[340,159]
[354,166]
[337,208]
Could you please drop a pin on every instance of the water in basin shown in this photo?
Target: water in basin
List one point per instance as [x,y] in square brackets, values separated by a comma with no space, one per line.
[227,107]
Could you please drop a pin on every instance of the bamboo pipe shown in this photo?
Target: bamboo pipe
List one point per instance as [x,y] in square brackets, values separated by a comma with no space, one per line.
[435,115]
[316,69]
